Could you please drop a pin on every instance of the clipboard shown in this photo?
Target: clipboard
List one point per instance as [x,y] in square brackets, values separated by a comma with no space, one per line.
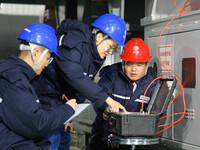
[79,109]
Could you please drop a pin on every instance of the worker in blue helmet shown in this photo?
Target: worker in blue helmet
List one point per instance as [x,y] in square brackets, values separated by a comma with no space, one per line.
[83,51]
[113,26]
[39,35]
[24,124]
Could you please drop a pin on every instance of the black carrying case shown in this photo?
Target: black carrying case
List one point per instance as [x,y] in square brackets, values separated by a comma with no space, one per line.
[145,124]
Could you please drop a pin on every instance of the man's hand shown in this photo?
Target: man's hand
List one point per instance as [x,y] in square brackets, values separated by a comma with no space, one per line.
[72,103]
[70,125]
[115,106]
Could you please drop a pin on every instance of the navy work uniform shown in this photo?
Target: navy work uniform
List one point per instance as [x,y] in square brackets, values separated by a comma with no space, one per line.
[74,72]
[21,114]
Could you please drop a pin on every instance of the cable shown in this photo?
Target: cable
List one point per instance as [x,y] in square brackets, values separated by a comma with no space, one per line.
[182,11]
[149,87]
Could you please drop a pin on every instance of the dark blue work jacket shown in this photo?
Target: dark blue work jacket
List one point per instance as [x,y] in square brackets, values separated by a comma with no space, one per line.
[21,114]
[120,87]
[74,72]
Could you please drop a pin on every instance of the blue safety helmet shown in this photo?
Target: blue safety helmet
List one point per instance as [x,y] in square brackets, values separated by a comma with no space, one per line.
[113,26]
[42,34]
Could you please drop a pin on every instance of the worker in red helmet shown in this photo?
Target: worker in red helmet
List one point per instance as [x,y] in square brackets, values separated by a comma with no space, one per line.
[125,82]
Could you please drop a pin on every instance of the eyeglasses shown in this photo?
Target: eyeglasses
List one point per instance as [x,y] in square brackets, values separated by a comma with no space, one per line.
[49,60]
[112,50]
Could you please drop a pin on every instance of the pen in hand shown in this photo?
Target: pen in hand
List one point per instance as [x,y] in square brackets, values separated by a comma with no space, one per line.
[65,97]
[71,102]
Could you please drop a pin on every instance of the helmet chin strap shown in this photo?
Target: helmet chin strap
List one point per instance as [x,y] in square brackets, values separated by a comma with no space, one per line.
[31,47]
[146,71]
[123,65]
[94,31]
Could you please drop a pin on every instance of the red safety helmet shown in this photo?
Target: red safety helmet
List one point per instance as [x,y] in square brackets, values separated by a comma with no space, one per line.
[136,51]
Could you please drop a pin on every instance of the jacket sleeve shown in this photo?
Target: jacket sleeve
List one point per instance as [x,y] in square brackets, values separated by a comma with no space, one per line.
[71,70]
[107,84]
[23,114]
[11,140]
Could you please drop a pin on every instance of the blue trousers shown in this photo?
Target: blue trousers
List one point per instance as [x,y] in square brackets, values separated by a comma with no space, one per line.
[65,139]
[60,139]
[54,138]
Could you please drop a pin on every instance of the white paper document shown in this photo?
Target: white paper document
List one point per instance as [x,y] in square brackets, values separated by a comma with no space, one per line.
[79,109]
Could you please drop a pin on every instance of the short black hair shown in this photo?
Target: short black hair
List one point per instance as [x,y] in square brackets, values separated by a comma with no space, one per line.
[24,42]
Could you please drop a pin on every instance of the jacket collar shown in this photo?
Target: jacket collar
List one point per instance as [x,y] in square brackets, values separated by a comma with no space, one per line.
[95,52]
